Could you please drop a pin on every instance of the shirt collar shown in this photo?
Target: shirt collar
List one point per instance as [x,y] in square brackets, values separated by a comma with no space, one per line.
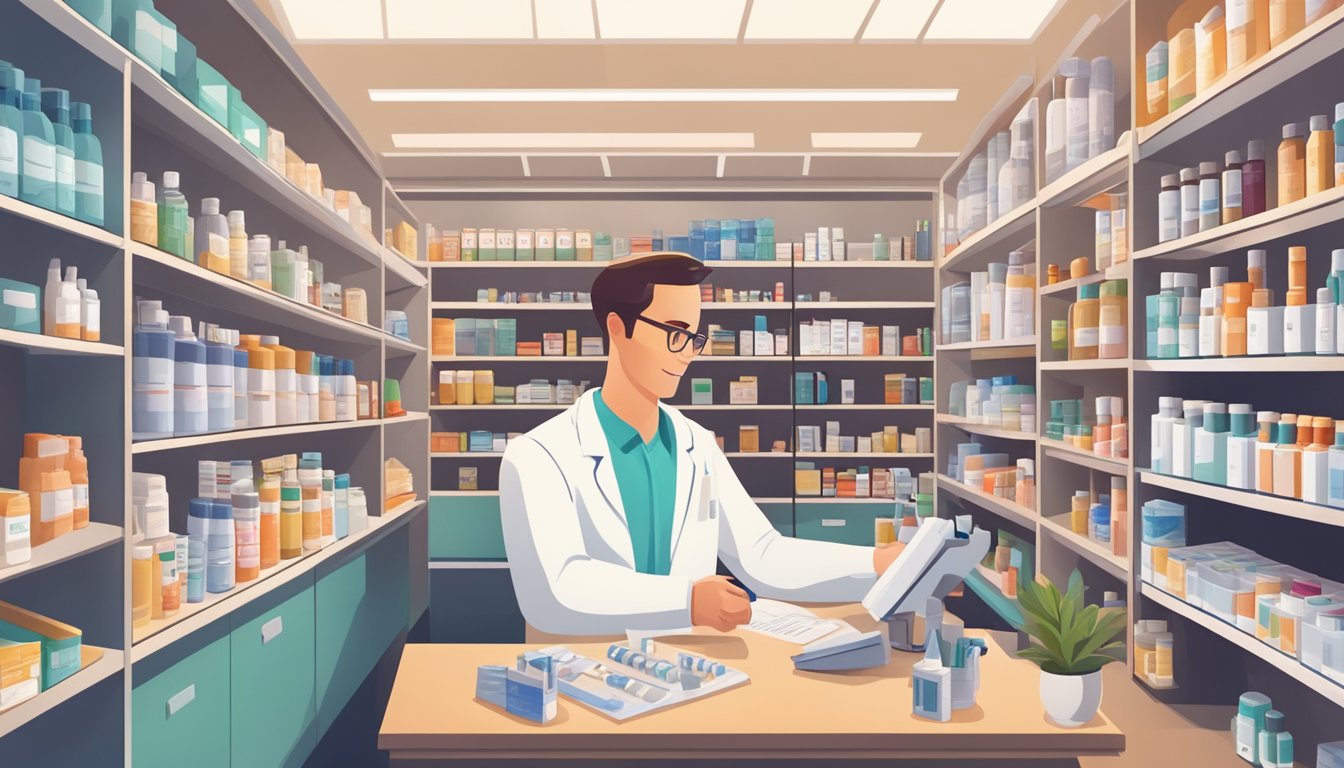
[625,437]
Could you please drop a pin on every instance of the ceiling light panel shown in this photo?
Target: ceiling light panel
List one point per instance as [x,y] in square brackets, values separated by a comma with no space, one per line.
[670,19]
[613,141]
[459,19]
[313,19]
[899,19]
[866,140]
[660,95]
[989,19]
[806,19]
[564,19]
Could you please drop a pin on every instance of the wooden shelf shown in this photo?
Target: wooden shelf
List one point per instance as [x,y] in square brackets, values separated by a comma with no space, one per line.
[1057,449]
[526,306]
[257,433]
[1244,84]
[82,541]
[160,634]
[1099,174]
[1096,552]
[1001,507]
[403,269]
[1323,209]
[1006,607]
[1269,364]
[41,344]
[14,207]
[465,454]
[863,304]
[97,665]
[864,358]
[1275,505]
[856,455]
[1289,665]
[166,273]
[402,346]
[470,359]
[1114,272]
[976,428]
[1013,229]
[1111,364]
[863,264]
[962,346]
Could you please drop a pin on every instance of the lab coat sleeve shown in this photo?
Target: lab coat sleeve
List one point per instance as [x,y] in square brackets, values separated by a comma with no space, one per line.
[778,566]
[560,588]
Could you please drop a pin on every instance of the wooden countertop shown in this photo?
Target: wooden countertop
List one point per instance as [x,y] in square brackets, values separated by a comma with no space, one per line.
[781,712]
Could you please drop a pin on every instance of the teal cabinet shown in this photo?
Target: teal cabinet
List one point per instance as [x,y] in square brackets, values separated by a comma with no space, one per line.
[841,523]
[273,701]
[361,607]
[780,515]
[465,528]
[181,714]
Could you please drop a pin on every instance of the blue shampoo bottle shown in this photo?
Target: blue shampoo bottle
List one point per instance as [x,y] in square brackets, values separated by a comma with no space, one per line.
[56,106]
[11,130]
[89,194]
[39,149]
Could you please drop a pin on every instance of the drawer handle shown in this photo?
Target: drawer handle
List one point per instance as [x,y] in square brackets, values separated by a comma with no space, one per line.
[832,522]
[181,699]
[272,629]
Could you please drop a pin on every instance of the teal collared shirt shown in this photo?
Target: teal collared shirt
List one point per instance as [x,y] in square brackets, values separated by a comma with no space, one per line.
[646,473]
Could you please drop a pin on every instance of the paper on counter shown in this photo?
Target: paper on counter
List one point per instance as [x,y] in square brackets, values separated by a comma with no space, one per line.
[791,623]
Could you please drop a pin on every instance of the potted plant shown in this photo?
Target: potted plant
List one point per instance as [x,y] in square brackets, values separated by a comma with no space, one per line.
[1071,642]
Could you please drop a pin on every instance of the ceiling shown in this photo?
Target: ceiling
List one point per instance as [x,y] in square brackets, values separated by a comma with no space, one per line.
[503,93]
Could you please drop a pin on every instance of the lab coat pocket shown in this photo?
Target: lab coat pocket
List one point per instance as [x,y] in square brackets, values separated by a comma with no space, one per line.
[708,508]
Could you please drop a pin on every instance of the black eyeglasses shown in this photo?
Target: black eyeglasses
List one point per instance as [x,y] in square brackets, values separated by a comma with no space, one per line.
[678,338]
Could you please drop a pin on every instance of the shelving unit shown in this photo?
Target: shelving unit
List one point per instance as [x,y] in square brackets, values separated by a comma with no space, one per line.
[894,293]
[82,388]
[1250,102]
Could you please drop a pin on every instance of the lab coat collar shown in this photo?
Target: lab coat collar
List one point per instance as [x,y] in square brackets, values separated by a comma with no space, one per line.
[593,441]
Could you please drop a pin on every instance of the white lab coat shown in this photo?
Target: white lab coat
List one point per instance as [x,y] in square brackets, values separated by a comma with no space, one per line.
[569,546]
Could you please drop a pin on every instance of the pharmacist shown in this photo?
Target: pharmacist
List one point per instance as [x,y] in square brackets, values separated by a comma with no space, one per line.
[616,511]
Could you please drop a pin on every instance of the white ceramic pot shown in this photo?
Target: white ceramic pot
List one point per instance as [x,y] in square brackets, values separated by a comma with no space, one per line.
[1071,700]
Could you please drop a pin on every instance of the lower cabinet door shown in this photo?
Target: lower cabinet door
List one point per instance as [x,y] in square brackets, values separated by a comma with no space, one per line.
[841,523]
[273,703]
[180,716]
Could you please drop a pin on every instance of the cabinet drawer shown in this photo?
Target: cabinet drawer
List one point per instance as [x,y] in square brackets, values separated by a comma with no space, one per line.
[272,675]
[183,711]
[841,523]
[465,528]
[361,607]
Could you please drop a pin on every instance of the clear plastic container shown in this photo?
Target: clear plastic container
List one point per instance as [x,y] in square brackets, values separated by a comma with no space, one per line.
[173,218]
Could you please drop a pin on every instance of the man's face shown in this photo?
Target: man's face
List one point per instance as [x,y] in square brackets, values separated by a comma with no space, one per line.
[644,356]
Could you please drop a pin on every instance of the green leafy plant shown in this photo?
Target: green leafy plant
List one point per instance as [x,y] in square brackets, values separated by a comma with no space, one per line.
[1068,637]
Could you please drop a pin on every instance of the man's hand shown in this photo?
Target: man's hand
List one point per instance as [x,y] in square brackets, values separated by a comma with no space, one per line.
[885,554]
[717,603]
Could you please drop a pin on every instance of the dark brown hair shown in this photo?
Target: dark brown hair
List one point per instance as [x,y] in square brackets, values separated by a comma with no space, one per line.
[626,286]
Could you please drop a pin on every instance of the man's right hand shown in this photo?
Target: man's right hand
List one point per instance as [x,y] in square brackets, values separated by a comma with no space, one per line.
[716,603]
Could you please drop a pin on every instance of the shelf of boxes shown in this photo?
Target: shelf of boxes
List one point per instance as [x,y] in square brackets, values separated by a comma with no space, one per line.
[1272,364]
[80,541]
[402,269]
[1097,175]
[1280,65]
[1097,553]
[108,662]
[1319,210]
[1289,665]
[161,633]
[1057,449]
[1001,507]
[975,427]
[1274,505]
[1004,233]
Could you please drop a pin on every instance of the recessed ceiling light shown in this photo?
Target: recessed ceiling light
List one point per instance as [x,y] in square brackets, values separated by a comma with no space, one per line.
[575,140]
[806,19]
[865,140]
[313,20]
[458,19]
[669,19]
[666,95]
[564,19]
[989,19]
[899,19]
